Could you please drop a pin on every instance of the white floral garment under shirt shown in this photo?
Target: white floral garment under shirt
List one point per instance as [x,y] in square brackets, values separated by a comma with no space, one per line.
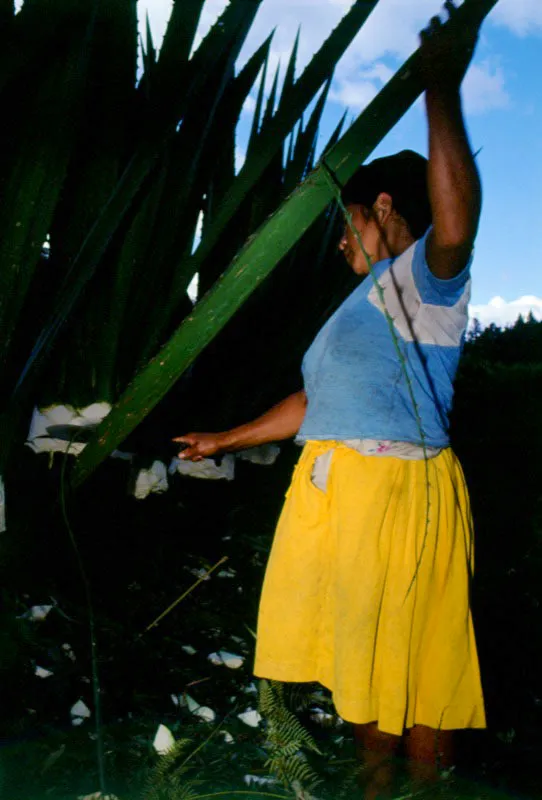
[371,447]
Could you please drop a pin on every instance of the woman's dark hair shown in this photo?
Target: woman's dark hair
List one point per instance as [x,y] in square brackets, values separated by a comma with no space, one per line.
[404,177]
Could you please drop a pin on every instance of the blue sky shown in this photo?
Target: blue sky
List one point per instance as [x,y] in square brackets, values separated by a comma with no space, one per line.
[503,106]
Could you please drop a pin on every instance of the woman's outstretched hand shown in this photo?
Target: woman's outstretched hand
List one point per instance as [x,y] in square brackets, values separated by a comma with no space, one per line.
[200,445]
[280,422]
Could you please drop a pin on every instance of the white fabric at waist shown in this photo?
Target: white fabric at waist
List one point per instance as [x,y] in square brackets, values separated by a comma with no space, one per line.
[371,447]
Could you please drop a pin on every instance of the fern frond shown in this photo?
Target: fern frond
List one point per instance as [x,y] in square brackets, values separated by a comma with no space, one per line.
[286,738]
[293,769]
[168,779]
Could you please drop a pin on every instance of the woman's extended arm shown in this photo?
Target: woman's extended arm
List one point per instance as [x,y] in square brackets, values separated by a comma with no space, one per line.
[280,422]
[454,183]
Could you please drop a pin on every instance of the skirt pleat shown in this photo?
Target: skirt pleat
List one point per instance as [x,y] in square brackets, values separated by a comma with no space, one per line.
[367,590]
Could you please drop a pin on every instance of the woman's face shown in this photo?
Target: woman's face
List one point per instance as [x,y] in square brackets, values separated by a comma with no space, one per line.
[370,235]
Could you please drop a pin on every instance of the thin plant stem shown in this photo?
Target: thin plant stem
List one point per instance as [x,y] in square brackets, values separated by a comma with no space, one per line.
[336,188]
[100,757]
[185,594]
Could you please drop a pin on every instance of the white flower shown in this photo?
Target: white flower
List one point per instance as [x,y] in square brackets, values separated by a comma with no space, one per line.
[79,709]
[250,717]
[36,613]
[228,659]
[164,741]
[40,672]
[257,780]
[203,712]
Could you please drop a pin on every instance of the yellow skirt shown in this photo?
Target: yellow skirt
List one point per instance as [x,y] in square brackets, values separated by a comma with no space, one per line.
[367,590]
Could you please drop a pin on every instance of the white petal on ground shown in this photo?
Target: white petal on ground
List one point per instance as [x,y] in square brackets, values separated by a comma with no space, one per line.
[228,659]
[68,652]
[98,796]
[76,721]
[79,709]
[36,613]
[231,660]
[207,468]
[150,481]
[164,741]
[175,699]
[40,672]
[189,649]
[259,780]
[191,704]
[250,717]
[205,713]
[250,689]
[226,573]
[228,738]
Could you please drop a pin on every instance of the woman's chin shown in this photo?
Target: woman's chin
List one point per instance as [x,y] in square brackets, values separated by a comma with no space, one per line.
[361,268]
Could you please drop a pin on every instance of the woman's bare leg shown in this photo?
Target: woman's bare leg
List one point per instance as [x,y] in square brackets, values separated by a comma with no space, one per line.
[428,750]
[376,749]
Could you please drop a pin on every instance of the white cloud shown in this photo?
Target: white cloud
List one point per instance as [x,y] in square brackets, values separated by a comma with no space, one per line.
[523,17]
[356,92]
[484,88]
[502,313]
[355,95]
[381,34]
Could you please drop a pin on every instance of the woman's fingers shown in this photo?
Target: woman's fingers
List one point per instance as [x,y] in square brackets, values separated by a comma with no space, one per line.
[450,8]
[198,446]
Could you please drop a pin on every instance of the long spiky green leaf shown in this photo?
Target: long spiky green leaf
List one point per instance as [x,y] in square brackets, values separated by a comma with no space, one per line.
[258,108]
[272,136]
[258,257]
[289,77]
[268,149]
[223,38]
[32,188]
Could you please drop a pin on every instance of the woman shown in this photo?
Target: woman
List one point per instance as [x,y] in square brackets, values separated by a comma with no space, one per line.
[367,585]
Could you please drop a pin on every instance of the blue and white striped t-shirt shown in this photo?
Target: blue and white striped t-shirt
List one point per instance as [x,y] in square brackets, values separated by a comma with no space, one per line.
[355,383]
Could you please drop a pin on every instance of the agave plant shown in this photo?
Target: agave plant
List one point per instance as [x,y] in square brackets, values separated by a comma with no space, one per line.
[121,169]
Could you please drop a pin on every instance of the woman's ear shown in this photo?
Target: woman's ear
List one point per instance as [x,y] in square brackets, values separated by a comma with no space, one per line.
[382,208]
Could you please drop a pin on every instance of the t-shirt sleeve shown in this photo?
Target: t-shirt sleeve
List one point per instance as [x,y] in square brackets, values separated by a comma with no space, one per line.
[433,290]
